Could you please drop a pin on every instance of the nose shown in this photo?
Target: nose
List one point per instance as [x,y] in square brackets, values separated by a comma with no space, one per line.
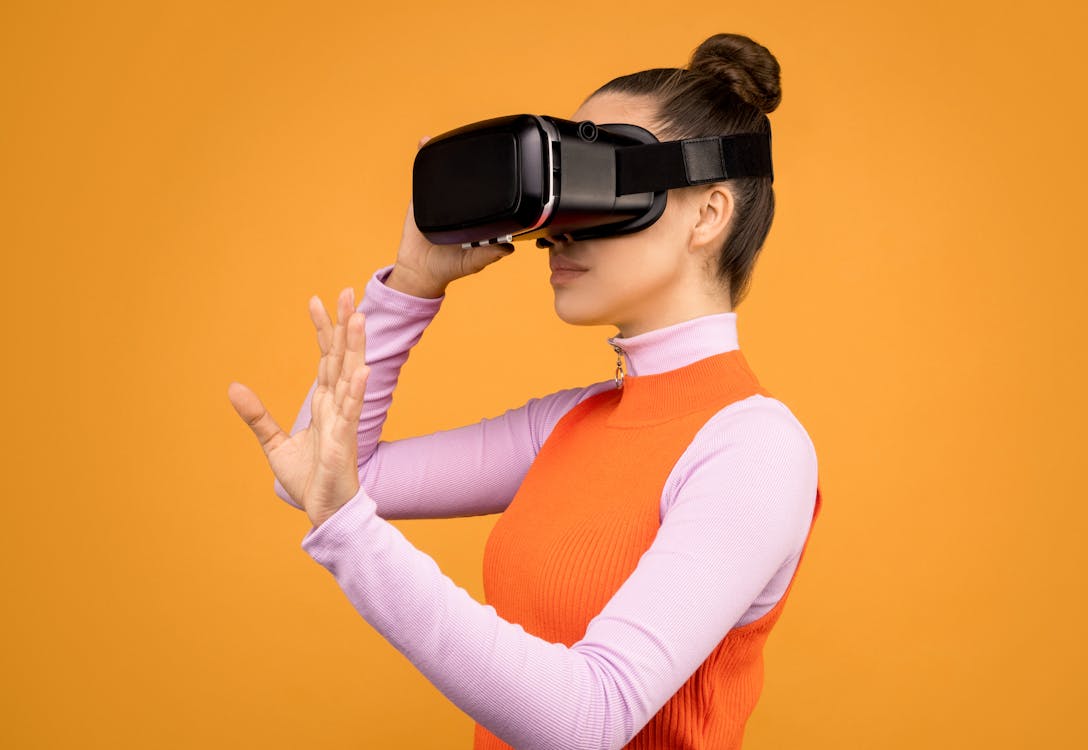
[552,240]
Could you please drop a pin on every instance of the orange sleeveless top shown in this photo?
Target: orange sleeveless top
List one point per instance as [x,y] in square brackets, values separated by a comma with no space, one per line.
[588,509]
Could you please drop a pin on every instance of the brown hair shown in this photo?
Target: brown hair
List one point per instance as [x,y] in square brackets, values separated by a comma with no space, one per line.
[728,87]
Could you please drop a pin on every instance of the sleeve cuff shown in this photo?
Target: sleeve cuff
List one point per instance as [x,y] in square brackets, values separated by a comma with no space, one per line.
[387,297]
[321,542]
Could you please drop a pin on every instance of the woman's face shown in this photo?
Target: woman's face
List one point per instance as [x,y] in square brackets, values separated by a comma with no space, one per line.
[647,279]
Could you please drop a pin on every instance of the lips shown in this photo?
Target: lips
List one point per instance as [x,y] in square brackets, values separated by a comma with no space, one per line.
[559,263]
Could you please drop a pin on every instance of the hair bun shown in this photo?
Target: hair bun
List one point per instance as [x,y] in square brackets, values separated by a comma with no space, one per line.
[748,67]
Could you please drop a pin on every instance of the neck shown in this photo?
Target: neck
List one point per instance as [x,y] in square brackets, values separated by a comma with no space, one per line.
[682,313]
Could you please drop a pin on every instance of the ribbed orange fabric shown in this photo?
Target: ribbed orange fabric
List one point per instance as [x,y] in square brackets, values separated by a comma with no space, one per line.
[586,512]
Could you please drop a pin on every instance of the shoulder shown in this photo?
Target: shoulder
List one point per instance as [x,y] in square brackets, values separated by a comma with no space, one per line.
[755,423]
[761,421]
[753,453]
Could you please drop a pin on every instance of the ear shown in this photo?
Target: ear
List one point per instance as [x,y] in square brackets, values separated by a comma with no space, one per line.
[715,207]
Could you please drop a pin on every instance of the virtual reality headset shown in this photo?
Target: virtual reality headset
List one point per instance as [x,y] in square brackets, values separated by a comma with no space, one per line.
[520,177]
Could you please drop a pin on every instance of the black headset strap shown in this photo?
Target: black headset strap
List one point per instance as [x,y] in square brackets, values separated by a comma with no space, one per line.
[654,167]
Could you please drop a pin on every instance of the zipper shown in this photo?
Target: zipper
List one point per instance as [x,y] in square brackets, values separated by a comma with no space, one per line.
[619,363]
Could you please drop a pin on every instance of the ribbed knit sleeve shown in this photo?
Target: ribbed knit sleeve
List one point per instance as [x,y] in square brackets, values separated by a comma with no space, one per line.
[738,507]
[465,471]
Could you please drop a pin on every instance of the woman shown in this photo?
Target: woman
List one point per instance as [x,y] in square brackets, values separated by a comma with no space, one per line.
[652,523]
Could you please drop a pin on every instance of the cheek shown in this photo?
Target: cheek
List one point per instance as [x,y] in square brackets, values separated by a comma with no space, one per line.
[654,249]
[668,226]
[640,262]
[632,267]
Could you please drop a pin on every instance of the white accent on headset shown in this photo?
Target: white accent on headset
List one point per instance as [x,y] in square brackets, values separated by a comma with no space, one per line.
[481,243]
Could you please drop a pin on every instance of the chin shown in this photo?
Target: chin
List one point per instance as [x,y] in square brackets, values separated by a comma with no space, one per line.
[579,312]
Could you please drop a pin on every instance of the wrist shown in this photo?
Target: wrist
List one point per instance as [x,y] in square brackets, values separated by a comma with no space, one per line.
[403,279]
[320,512]
[319,517]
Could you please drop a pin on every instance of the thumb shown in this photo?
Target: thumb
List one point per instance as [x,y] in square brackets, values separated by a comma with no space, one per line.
[250,409]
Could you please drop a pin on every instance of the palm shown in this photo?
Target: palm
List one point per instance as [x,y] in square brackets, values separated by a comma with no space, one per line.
[333,466]
[292,463]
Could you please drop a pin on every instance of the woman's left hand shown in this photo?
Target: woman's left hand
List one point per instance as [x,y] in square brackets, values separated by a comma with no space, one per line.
[330,476]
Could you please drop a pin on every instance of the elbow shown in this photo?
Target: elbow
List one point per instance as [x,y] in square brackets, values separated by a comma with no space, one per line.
[616,723]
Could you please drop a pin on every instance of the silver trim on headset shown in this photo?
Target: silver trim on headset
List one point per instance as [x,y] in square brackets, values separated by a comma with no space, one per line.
[549,207]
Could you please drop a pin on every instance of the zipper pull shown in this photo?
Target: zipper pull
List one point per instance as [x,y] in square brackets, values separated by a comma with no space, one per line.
[619,365]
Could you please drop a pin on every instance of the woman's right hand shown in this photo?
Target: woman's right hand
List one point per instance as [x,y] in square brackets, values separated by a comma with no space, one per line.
[426,268]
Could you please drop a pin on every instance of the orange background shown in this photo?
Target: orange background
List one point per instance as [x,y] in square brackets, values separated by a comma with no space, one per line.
[179,179]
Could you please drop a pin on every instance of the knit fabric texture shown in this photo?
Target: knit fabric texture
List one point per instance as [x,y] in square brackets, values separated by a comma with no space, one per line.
[587,511]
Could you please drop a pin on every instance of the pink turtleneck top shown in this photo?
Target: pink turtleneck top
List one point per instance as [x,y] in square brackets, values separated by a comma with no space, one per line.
[715,565]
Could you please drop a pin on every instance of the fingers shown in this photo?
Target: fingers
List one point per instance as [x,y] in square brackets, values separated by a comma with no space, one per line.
[354,355]
[347,422]
[478,258]
[332,358]
[332,340]
[423,140]
[250,408]
[345,304]
[324,340]
[321,323]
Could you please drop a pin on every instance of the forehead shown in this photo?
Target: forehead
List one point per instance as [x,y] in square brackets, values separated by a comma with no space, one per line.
[605,108]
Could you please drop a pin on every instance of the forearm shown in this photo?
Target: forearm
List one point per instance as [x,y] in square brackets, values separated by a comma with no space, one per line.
[528,691]
[471,470]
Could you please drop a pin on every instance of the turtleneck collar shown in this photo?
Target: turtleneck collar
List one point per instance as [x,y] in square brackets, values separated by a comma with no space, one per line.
[681,369]
[680,344]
